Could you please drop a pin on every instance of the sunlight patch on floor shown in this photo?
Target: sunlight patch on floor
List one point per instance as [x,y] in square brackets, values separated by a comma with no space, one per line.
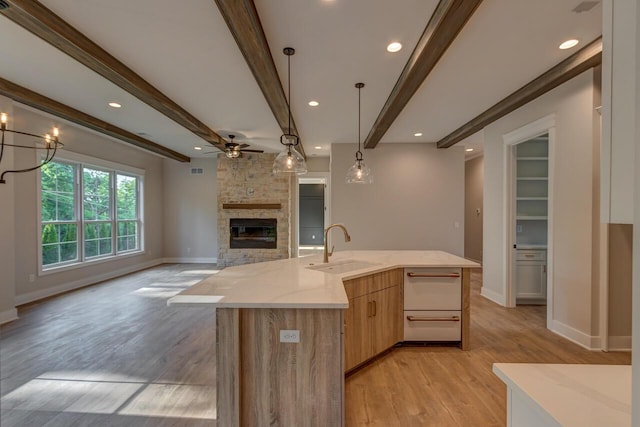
[107,393]
[70,396]
[163,293]
[176,401]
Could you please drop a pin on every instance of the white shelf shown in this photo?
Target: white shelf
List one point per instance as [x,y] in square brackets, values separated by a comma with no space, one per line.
[532,158]
[532,178]
[531,218]
[532,198]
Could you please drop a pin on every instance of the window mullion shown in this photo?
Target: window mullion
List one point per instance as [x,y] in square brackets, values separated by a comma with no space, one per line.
[80,211]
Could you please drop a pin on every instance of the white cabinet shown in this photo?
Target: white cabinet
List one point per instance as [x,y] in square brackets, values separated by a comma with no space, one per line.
[433,304]
[531,276]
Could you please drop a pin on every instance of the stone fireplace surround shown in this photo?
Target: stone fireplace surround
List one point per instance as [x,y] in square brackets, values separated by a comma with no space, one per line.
[249,180]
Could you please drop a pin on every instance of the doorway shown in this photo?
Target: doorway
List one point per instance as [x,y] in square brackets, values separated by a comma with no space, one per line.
[312,213]
[529,205]
[531,215]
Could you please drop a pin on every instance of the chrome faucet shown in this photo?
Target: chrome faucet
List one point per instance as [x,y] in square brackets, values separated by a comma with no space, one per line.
[328,253]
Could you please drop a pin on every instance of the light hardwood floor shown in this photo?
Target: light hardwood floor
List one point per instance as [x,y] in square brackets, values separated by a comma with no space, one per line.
[115,355]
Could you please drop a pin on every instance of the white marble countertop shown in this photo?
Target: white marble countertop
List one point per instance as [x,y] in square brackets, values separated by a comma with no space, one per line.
[572,395]
[288,283]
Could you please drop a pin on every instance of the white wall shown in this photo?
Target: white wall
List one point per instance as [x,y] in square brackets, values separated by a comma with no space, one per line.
[7,226]
[619,74]
[572,215]
[190,213]
[635,393]
[415,201]
[26,199]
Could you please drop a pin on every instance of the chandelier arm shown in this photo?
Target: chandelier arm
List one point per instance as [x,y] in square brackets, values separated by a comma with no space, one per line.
[2,146]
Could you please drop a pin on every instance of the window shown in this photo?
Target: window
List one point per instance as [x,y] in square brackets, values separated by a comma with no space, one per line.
[88,212]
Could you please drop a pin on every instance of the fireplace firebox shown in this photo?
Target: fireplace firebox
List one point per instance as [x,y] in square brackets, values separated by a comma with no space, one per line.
[258,233]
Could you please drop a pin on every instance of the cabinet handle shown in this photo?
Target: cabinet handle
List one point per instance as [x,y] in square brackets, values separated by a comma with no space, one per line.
[375,308]
[433,319]
[433,275]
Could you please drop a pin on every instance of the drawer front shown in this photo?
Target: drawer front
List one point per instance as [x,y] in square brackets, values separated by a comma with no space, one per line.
[375,282]
[432,289]
[530,255]
[432,325]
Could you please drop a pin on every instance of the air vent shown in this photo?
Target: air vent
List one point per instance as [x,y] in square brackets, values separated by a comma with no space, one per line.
[197,171]
[4,5]
[585,6]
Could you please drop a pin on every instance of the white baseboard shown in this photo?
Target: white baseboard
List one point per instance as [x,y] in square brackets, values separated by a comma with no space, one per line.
[578,337]
[8,316]
[493,296]
[184,260]
[620,343]
[86,281]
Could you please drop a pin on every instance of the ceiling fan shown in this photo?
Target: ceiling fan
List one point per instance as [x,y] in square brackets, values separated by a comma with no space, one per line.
[233,150]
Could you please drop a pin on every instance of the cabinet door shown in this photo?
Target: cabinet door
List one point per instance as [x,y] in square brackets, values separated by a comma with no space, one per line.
[386,319]
[531,280]
[357,345]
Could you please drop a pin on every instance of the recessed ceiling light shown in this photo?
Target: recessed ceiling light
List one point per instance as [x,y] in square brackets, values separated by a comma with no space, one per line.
[469,149]
[417,134]
[318,147]
[114,105]
[197,148]
[568,44]
[394,47]
[314,103]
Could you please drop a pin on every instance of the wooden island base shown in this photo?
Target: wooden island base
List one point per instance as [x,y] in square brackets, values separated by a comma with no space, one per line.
[262,381]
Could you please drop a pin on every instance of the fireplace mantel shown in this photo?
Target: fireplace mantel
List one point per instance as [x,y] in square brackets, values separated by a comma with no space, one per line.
[252,206]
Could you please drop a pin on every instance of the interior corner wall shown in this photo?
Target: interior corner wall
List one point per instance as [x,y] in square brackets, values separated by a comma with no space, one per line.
[473,209]
[190,211]
[416,200]
[317,164]
[572,215]
[88,143]
[7,226]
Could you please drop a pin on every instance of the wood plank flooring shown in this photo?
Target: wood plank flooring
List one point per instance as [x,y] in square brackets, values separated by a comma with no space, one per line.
[115,355]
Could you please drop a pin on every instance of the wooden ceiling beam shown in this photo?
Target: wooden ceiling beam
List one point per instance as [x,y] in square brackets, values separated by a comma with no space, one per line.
[36,18]
[32,99]
[446,22]
[244,23]
[588,57]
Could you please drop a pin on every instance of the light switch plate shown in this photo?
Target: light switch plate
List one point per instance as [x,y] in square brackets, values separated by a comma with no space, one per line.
[290,335]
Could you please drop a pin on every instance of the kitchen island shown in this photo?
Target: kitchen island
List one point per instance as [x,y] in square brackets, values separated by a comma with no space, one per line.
[280,328]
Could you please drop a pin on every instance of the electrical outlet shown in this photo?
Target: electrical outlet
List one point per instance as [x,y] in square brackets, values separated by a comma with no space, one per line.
[32,278]
[456,224]
[289,335]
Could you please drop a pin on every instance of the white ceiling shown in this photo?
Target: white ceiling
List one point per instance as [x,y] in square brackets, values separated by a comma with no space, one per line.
[187,52]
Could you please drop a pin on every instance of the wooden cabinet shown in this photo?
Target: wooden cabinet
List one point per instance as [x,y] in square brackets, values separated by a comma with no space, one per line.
[373,321]
[531,276]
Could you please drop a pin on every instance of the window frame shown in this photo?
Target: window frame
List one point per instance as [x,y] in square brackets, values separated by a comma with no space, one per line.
[79,162]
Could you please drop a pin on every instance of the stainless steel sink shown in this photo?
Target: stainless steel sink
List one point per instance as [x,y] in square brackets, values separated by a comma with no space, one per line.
[343,266]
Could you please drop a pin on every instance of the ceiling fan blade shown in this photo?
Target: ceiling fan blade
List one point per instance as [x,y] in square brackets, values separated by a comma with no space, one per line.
[243,145]
[210,152]
[252,151]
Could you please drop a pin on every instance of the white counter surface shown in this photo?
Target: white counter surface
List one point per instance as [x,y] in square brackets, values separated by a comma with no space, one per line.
[572,395]
[288,283]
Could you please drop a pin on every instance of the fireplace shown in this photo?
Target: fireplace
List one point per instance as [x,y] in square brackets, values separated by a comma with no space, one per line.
[257,233]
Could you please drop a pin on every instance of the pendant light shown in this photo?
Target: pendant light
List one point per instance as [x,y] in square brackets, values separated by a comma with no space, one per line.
[359,173]
[289,160]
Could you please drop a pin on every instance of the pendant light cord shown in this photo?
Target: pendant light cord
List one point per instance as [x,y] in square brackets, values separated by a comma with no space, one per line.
[359,153]
[289,84]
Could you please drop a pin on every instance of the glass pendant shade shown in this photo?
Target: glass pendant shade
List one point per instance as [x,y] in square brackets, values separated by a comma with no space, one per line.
[359,173]
[290,161]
